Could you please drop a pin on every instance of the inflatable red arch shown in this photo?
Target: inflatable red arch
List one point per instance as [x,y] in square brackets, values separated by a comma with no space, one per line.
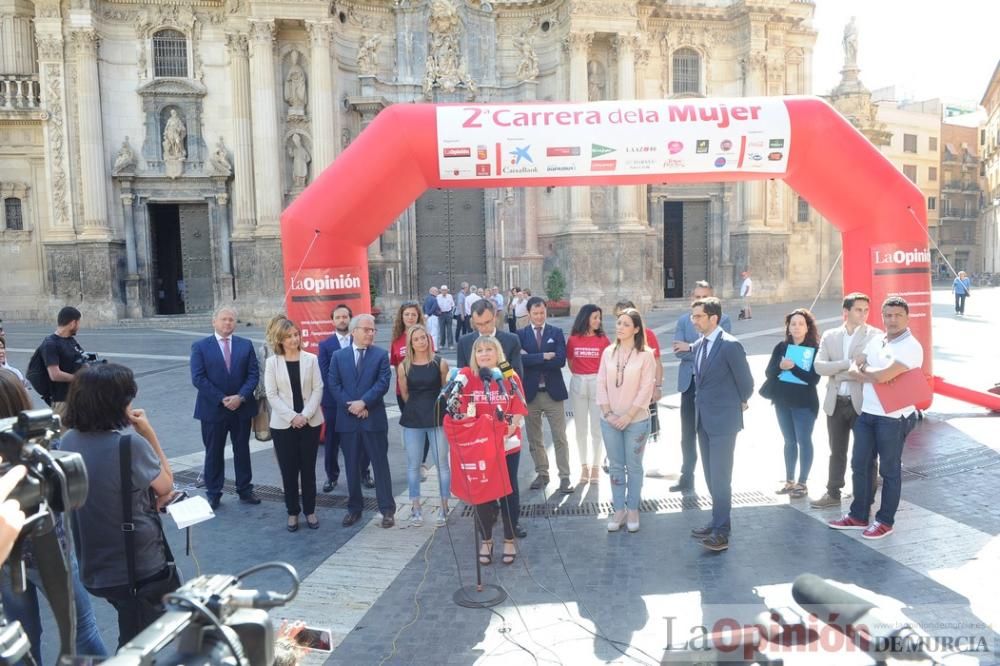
[410,148]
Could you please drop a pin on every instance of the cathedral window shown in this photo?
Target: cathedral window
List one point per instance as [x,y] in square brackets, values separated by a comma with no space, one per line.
[170,54]
[687,72]
[12,214]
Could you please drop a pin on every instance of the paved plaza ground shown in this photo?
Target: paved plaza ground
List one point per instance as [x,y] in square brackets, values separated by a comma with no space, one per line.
[576,594]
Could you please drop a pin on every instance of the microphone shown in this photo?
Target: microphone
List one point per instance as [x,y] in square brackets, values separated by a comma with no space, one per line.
[454,387]
[452,378]
[498,378]
[508,374]
[852,615]
[486,375]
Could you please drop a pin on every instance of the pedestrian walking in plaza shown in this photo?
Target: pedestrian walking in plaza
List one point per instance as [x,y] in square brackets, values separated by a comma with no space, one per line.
[793,393]
[63,357]
[584,348]
[421,376]
[359,379]
[626,379]
[431,310]
[723,387]
[842,404]
[225,371]
[685,334]
[962,288]
[878,433]
[132,569]
[543,355]
[294,386]
[461,318]
[23,606]
[446,309]
[746,292]
[488,352]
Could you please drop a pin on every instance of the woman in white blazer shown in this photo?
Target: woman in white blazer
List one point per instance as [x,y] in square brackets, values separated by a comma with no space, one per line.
[294,387]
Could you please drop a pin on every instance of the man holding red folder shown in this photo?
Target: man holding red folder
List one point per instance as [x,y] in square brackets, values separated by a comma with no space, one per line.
[887,416]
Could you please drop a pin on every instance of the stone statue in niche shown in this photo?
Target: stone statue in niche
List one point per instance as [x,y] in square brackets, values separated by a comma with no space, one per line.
[444,60]
[527,69]
[174,133]
[221,166]
[368,55]
[345,138]
[300,162]
[851,43]
[125,160]
[296,92]
[596,81]
[174,153]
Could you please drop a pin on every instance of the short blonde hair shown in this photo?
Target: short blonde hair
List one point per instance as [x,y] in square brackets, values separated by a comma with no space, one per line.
[281,330]
[482,341]
[272,326]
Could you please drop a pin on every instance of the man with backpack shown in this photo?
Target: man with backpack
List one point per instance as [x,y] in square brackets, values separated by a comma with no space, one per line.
[59,357]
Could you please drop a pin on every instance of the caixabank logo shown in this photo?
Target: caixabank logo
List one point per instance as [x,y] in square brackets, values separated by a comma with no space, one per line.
[334,284]
[899,261]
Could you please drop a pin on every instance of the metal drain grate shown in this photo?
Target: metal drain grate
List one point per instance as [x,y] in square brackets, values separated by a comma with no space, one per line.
[275,494]
[657,505]
[955,463]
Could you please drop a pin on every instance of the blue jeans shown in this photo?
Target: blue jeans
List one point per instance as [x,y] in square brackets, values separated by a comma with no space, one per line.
[413,440]
[24,608]
[625,449]
[880,436]
[797,428]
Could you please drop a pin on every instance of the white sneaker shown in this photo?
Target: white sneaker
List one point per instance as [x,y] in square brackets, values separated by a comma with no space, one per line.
[441,517]
[416,519]
[424,469]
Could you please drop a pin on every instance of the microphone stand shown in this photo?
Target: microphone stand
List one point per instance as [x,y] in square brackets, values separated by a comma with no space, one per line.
[479,595]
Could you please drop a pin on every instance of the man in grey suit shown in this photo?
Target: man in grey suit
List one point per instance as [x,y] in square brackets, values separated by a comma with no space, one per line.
[484,321]
[838,348]
[723,385]
[685,335]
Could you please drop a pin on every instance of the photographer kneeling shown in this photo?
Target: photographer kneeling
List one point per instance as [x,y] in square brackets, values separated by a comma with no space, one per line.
[98,410]
[24,607]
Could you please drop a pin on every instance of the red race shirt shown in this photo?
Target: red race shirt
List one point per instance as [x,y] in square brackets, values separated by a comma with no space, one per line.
[397,352]
[653,342]
[583,353]
[475,392]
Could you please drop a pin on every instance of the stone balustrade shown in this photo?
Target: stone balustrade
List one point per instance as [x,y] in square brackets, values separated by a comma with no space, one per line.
[19,91]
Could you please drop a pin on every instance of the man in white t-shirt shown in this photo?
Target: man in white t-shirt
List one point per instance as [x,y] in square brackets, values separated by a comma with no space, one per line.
[877,433]
[470,300]
[746,291]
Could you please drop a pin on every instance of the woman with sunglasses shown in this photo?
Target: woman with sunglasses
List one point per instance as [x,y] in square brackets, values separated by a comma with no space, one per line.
[625,382]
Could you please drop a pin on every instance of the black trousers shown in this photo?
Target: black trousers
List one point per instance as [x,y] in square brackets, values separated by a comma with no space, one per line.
[689,436]
[839,428]
[138,612]
[296,449]
[508,507]
[960,303]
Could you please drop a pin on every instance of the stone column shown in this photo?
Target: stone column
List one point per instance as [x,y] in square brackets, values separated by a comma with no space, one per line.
[579,47]
[322,93]
[51,79]
[92,162]
[133,302]
[754,65]
[628,195]
[243,190]
[224,289]
[267,157]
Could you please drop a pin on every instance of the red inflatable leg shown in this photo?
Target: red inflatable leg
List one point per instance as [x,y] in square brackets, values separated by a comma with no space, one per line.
[981,398]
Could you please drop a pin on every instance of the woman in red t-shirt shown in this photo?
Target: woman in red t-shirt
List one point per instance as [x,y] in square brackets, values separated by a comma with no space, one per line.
[586,343]
[488,353]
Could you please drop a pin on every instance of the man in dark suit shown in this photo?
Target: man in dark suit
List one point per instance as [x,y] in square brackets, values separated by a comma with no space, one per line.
[685,335]
[484,320]
[543,352]
[359,378]
[224,370]
[340,339]
[723,385]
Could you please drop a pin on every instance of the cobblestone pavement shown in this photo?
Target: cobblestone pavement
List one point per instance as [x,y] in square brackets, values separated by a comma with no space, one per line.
[387,594]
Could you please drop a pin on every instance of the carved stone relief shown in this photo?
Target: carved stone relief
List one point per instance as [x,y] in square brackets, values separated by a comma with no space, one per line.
[527,68]
[57,130]
[445,65]
[597,81]
[367,58]
[124,160]
[299,160]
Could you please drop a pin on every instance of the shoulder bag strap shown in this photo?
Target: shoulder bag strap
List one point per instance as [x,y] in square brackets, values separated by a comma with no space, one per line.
[127,526]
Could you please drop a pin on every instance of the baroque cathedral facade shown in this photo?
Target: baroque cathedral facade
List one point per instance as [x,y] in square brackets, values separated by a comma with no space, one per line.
[147,149]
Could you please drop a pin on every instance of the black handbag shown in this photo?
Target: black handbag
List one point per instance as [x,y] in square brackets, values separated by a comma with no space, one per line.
[166,580]
[766,389]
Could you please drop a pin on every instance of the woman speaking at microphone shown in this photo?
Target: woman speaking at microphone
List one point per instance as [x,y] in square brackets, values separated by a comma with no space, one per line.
[421,375]
[478,399]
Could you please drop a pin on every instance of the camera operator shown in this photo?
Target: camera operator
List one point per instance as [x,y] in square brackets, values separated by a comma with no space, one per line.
[98,411]
[24,607]
[63,356]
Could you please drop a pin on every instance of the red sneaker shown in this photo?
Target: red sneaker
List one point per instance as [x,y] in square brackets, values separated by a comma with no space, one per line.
[877,530]
[848,523]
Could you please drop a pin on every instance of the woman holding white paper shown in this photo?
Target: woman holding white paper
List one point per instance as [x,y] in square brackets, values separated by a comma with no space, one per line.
[793,380]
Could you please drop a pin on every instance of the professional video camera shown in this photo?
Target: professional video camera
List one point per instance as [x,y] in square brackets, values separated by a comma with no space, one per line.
[211,620]
[89,358]
[56,481]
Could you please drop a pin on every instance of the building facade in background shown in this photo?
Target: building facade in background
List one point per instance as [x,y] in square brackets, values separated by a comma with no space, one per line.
[989,154]
[147,150]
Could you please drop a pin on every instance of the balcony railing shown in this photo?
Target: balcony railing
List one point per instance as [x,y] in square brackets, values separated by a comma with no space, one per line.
[19,92]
